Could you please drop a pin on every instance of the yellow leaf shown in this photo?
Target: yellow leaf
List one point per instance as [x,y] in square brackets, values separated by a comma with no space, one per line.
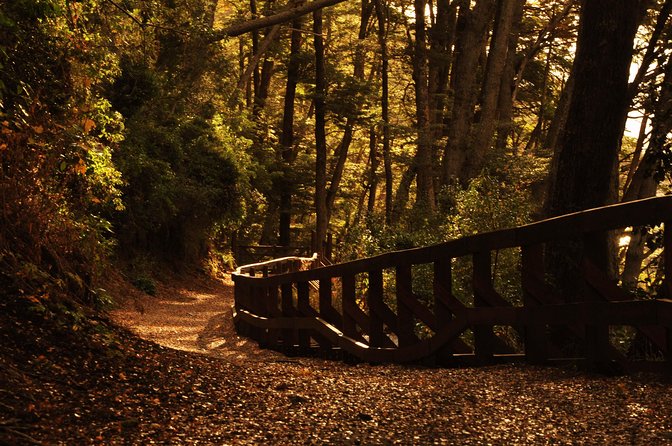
[38,129]
[3,146]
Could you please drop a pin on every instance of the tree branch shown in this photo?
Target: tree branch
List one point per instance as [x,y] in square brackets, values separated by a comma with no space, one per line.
[650,54]
[280,17]
[253,63]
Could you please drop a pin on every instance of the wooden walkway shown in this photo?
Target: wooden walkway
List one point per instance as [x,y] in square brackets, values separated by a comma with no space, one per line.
[369,309]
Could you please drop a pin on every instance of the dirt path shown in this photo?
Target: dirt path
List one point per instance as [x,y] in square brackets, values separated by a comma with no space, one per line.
[194,315]
[266,398]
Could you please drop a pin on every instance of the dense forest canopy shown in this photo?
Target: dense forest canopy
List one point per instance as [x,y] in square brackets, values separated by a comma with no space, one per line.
[152,129]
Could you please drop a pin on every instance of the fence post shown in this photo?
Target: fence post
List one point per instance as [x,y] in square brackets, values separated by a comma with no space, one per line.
[348,305]
[666,290]
[446,305]
[404,287]
[668,351]
[289,338]
[484,337]
[303,305]
[375,300]
[273,311]
[443,290]
[532,272]
[596,332]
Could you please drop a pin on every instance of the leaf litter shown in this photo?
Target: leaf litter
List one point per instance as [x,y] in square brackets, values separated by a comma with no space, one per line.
[55,391]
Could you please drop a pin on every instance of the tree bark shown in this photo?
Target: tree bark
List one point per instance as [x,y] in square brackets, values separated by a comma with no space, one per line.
[373,174]
[292,13]
[587,153]
[425,198]
[261,88]
[385,108]
[470,42]
[343,148]
[505,103]
[320,137]
[589,145]
[402,194]
[287,136]
[484,130]
[252,68]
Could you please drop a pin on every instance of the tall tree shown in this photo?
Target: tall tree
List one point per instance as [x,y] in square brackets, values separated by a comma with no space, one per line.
[587,152]
[483,130]
[381,13]
[589,145]
[425,198]
[473,25]
[287,136]
[320,136]
[505,103]
[341,152]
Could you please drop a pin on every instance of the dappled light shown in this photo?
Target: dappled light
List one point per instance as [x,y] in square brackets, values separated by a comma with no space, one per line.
[335,222]
[195,318]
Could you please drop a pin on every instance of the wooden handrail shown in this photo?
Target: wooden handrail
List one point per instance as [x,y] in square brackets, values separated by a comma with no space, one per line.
[268,265]
[277,309]
[634,213]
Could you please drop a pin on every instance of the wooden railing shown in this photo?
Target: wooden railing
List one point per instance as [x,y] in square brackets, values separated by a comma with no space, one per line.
[370,309]
[255,253]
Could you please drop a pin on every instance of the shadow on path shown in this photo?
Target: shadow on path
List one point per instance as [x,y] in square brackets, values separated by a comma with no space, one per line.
[191,315]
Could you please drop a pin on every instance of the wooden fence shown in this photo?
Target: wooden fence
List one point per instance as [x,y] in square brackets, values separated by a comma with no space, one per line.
[371,309]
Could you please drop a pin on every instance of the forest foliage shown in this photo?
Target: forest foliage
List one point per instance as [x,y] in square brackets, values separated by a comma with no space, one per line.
[136,129]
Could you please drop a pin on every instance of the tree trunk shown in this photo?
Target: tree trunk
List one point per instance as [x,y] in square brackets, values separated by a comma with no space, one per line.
[471,39]
[425,198]
[287,136]
[483,131]
[293,13]
[343,148]
[505,103]
[385,108]
[440,56]
[320,137]
[373,175]
[262,86]
[255,47]
[589,145]
[402,194]
[252,68]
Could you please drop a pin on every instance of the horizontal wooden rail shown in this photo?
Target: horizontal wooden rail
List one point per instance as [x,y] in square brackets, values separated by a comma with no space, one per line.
[275,266]
[370,309]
